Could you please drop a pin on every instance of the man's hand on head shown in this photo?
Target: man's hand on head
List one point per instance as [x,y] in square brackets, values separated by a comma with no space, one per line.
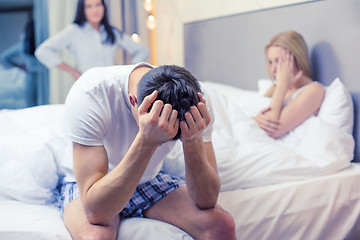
[196,120]
[160,124]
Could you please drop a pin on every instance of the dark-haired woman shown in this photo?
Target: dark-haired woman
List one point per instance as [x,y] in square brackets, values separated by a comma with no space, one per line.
[92,41]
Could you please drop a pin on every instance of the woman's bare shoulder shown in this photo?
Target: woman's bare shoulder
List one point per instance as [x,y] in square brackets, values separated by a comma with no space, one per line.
[317,85]
[312,92]
[315,88]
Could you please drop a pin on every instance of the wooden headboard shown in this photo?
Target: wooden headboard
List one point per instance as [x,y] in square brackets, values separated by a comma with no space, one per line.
[230,50]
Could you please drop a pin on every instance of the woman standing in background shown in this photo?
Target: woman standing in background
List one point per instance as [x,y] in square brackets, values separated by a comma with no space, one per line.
[91,40]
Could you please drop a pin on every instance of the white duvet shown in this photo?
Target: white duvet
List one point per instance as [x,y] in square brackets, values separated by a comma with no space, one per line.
[247,157]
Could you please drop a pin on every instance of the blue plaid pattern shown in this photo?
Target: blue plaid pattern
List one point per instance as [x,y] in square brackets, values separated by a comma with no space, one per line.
[145,195]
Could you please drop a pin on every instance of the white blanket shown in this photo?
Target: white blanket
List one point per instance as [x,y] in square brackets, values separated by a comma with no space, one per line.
[247,157]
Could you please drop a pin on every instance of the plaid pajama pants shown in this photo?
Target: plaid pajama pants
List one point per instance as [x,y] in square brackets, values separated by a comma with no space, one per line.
[145,195]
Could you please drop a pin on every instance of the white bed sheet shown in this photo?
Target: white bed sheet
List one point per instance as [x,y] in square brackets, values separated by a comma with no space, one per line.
[20,220]
[326,207]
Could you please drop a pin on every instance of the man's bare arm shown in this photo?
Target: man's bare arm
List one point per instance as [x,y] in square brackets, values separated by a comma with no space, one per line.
[105,194]
[201,172]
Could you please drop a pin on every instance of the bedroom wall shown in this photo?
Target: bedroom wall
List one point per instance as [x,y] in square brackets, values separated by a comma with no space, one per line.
[171,15]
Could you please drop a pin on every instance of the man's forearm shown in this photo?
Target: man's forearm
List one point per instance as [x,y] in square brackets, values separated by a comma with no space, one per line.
[108,195]
[201,176]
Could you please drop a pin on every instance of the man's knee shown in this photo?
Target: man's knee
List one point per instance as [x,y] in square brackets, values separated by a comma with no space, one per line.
[227,226]
[98,234]
[220,225]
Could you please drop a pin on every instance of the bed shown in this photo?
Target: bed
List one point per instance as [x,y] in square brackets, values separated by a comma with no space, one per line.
[299,200]
[309,195]
[17,88]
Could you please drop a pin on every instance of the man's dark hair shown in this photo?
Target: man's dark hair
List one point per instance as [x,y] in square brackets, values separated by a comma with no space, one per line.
[175,85]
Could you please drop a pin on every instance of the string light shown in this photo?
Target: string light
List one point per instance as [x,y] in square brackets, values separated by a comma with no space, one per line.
[148,5]
[135,37]
[150,23]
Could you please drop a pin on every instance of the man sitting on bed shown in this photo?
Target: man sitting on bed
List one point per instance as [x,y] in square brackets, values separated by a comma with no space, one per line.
[123,120]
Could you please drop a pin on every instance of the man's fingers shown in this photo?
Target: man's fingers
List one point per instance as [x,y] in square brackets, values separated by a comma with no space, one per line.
[177,123]
[165,115]
[184,127]
[148,100]
[173,118]
[202,99]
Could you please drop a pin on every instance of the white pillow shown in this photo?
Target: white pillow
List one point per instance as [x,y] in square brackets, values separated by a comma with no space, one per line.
[28,169]
[337,107]
[145,228]
[264,85]
[28,172]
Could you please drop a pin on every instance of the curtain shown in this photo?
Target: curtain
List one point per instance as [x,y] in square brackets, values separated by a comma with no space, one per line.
[129,21]
[123,14]
[61,14]
[41,33]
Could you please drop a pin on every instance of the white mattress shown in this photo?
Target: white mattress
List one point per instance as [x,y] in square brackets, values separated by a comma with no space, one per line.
[326,207]
[19,220]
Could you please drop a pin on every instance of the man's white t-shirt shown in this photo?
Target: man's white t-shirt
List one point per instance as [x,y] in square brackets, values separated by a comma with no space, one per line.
[97,113]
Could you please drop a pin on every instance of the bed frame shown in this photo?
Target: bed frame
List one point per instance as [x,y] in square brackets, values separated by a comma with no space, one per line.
[230,50]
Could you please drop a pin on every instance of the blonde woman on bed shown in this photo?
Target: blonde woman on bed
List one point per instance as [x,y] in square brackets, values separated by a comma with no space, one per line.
[294,95]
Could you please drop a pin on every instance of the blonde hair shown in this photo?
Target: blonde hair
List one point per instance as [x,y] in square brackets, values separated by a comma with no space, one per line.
[296,44]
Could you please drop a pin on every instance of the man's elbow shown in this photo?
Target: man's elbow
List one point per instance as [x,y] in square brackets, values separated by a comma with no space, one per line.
[96,218]
[207,201]
[207,204]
